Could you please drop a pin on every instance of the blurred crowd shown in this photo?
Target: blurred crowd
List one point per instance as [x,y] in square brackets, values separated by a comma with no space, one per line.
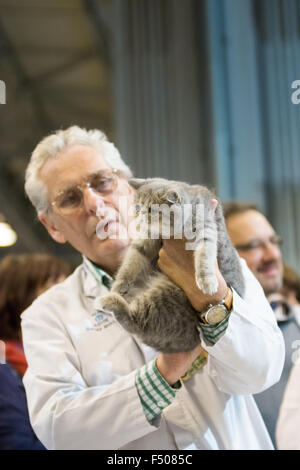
[22,278]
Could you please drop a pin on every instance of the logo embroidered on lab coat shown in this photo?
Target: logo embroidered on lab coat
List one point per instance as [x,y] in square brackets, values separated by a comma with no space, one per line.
[101,320]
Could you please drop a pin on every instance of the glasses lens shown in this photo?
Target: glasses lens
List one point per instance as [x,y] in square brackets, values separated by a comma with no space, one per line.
[103,183]
[276,240]
[69,200]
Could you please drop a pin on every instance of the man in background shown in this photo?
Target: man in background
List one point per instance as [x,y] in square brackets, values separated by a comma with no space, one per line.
[257,242]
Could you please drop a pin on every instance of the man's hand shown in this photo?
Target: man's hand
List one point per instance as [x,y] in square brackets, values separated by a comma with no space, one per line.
[173,366]
[178,264]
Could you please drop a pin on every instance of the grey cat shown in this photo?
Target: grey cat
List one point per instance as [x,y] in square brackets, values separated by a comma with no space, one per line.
[143,299]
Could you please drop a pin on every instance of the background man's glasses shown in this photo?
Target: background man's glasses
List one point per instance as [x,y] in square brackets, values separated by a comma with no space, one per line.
[101,183]
[275,240]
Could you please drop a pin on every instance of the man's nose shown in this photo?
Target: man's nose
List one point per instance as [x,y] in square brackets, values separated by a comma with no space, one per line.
[271,251]
[92,201]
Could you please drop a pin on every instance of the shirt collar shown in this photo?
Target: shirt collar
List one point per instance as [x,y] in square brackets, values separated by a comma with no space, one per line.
[98,274]
[283,313]
[281,308]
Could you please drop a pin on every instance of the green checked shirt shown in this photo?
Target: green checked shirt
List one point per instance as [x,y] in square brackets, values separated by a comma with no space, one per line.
[100,275]
[212,333]
[154,392]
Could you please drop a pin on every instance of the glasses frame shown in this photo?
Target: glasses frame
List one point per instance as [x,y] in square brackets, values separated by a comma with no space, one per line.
[87,184]
[261,244]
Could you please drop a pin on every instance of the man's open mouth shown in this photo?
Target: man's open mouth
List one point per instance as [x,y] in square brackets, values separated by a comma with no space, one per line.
[103,228]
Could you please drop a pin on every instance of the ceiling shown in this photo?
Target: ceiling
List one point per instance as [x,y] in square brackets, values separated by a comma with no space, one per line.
[55,62]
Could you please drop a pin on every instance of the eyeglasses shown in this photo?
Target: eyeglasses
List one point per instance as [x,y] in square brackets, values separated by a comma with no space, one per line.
[71,199]
[275,240]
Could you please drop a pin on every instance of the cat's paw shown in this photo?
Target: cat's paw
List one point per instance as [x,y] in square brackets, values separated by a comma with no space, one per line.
[208,284]
[121,287]
[110,303]
[116,305]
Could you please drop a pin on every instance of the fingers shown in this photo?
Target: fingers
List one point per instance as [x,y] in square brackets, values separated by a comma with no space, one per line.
[173,245]
[164,259]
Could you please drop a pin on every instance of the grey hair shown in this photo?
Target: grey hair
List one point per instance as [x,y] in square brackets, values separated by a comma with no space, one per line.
[58,143]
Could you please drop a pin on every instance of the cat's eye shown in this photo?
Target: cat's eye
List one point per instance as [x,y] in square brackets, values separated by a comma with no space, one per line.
[173,197]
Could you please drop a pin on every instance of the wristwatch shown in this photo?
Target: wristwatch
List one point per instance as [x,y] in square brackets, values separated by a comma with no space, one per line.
[216,313]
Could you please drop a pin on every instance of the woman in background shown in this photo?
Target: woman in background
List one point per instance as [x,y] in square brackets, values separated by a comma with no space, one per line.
[22,279]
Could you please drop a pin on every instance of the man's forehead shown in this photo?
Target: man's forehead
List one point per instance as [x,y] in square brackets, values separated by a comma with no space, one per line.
[248,226]
[72,167]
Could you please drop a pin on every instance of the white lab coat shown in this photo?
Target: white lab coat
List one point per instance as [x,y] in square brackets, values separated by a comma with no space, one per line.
[80,383]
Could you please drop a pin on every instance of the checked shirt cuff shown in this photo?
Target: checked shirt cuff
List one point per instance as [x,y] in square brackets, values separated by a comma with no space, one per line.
[212,333]
[154,392]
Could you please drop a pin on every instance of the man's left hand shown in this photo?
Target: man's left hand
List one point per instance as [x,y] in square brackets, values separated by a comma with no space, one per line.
[178,264]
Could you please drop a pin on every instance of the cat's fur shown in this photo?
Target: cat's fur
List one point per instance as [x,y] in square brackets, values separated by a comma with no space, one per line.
[144,300]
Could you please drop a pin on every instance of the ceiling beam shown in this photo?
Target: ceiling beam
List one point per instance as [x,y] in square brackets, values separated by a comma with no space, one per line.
[100,30]
[42,79]
[42,119]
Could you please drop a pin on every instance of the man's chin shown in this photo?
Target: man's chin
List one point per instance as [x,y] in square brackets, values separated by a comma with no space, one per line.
[108,253]
[112,243]
[271,286]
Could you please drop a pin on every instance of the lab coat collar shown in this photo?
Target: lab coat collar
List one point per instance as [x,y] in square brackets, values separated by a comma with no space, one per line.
[95,280]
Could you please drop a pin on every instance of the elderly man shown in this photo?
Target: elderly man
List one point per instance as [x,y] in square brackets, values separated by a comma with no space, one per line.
[257,242]
[90,384]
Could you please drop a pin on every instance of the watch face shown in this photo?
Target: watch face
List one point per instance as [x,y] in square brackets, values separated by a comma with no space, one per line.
[216,314]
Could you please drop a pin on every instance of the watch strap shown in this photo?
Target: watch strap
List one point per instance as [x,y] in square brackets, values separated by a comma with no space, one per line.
[227,302]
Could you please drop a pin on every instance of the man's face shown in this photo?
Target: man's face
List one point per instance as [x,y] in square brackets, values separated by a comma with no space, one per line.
[262,254]
[79,228]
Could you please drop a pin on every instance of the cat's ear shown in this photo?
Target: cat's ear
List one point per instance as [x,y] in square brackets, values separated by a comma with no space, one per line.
[136,182]
[173,197]
[213,205]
